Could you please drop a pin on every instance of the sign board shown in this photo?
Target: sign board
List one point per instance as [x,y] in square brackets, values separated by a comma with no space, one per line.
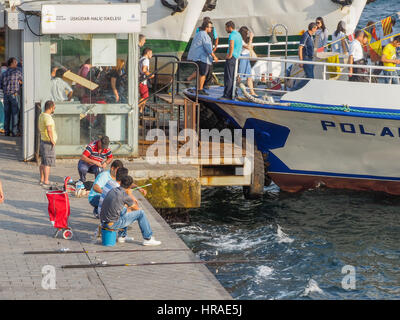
[104,50]
[91,18]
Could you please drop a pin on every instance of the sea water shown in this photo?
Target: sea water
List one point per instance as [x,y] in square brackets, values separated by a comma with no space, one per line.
[319,244]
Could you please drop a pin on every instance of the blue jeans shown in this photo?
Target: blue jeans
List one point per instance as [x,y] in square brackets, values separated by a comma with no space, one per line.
[392,77]
[1,115]
[11,114]
[309,73]
[127,218]
[94,202]
[84,168]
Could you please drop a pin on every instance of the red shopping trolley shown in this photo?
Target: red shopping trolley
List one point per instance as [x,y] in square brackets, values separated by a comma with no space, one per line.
[59,210]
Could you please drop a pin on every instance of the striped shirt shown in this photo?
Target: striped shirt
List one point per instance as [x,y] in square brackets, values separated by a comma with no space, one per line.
[92,152]
[106,189]
[10,81]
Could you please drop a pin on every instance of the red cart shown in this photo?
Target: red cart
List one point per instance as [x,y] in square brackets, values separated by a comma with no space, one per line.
[59,210]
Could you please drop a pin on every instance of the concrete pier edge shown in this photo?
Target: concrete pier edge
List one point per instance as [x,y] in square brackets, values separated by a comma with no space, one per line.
[25,226]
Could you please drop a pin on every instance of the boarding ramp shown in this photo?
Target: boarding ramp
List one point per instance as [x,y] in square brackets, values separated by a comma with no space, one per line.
[171,120]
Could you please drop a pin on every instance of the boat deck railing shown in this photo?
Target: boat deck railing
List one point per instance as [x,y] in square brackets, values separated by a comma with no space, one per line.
[322,70]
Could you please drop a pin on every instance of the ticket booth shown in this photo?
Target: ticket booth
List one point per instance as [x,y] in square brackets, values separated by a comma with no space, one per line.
[84,57]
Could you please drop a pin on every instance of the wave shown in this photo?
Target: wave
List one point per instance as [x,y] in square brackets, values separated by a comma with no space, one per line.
[262,273]
[282,237]
[234,242]
[312,287]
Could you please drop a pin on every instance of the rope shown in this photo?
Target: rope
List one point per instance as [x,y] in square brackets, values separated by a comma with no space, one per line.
[343,108]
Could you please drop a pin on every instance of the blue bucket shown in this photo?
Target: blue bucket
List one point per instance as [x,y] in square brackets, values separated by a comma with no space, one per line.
[108,237]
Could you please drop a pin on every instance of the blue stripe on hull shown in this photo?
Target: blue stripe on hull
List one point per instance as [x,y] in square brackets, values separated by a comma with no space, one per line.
[215,95]
[270,136]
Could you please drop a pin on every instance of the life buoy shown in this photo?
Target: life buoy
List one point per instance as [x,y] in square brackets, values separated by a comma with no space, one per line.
[343,2]
[210,5]
[180,5]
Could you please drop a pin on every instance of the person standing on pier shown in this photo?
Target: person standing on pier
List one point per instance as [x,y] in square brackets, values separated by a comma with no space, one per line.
[235,42]
[11,82]
[48,139]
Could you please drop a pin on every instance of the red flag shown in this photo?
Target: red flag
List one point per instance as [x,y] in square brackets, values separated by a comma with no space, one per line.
[387,26]
[322,49]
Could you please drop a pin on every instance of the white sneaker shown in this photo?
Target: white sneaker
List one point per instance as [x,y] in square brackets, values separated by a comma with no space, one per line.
[125,239]
[151,242]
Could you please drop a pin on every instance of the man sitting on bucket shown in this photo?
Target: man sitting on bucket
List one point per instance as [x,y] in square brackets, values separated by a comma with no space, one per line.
[95,158]
[120,209]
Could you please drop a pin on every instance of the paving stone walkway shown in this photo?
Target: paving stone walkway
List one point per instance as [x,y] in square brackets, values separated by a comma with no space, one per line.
[25,226]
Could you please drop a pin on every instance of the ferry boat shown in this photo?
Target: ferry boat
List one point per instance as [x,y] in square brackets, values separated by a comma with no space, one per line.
[170,34]
[332,132]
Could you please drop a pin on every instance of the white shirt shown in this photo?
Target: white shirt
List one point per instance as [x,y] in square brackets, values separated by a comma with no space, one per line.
[356,50]
[245,51]
[59,89]
[144,62]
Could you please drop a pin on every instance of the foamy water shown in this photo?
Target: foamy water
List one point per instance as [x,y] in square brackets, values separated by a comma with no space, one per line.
[304,240]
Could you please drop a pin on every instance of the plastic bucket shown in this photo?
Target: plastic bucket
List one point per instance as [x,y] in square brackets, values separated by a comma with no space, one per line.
[108,237]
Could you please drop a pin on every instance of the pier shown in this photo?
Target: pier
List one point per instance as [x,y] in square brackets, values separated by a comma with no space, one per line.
[25,226]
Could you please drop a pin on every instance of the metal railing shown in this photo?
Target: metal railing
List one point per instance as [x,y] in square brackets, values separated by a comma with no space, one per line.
[165,104]
[369,76]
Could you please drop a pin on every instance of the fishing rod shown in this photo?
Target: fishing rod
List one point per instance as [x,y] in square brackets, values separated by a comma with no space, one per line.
[104,264]
[67,251]
[137,188]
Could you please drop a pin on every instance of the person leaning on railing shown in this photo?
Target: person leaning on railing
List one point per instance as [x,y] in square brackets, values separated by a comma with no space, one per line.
[306,53]
[389,59]
[356,57]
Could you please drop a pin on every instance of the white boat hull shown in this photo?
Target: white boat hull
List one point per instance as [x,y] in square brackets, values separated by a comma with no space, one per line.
[171,33]
[323,145]
[261,16]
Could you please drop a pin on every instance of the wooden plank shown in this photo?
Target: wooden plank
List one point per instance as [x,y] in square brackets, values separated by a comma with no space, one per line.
[70,76]
[178,100]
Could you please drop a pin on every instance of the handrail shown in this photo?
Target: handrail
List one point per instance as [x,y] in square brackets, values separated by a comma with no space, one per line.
[178,62]
[328,64]
[325,65]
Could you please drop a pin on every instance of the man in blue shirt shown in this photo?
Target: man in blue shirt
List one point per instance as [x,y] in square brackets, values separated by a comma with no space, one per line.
[215,41]
[201,52]
[235,48]
[99,183]
[306,53]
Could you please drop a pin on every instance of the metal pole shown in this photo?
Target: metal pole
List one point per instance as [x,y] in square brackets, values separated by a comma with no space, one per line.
[235,79]
[66,251]
[106,265]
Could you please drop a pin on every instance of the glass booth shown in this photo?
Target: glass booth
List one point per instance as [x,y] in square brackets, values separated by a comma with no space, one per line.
[93,83]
